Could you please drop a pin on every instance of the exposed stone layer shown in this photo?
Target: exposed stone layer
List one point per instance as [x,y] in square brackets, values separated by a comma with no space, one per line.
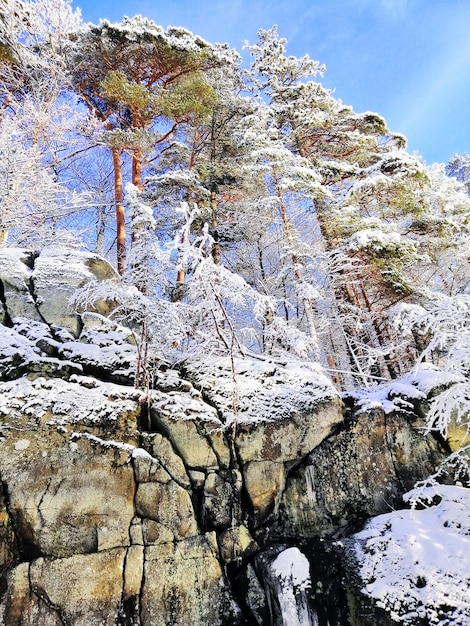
[117,511]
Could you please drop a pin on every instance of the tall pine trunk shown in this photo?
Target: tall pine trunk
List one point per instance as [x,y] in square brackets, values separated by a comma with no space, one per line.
[121,252]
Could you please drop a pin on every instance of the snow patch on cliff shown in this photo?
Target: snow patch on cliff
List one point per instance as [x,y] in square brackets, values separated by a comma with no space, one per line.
[61,402]
[416,563]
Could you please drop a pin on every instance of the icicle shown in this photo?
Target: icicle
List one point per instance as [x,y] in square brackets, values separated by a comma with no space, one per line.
[310,484]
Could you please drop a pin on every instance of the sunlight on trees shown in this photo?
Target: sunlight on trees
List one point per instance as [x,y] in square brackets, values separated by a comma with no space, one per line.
[253,211]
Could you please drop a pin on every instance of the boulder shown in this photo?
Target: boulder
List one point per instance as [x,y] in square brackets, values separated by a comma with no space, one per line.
[192,426]
[168,504]
[55,278]
[236,544]
[91,594]
[161,450]
[288,438]
[61,498]
[16,270]
[264,482]
[40,286]
[222,493]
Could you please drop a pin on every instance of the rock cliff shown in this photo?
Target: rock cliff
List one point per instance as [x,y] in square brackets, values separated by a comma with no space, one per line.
[174,505]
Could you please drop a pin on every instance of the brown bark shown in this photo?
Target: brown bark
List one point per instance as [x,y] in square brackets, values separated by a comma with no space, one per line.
[120,213]
[334,376]
[137,169]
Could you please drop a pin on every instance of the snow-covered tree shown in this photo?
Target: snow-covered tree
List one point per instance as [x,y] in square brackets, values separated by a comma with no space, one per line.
[399,226]
[32,202]
[459,167]
[202,167]
[38,120]
[264,213]
[140,82]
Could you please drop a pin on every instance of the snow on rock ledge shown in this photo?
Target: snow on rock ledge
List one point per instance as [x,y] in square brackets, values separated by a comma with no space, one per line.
[416,563]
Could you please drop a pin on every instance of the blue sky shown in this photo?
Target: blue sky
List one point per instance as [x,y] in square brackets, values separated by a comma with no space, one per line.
[408,60]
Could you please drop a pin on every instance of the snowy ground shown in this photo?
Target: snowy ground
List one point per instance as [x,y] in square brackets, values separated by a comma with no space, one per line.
[416,563]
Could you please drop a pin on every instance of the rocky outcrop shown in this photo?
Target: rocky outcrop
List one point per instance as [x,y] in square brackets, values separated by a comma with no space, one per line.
[362,471]
[38,286]
[120,506]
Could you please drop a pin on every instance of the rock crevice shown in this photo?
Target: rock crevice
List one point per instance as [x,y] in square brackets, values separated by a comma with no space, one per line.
[108,519]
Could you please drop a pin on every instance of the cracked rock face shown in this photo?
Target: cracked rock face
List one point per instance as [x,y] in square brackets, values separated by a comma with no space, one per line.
[39,286]
[116,512]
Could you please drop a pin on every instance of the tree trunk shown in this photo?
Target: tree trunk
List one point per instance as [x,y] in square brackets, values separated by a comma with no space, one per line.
[120,213]
[137,157]
[215,223]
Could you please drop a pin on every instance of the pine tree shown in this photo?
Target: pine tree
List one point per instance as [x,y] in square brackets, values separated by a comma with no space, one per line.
[141,82]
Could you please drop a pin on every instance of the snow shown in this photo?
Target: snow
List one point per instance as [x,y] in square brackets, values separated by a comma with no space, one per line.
[291,570]
[56,267]
[261,389]
[374,238]
[102,331]
[63,403]
[415,385]
[184,405]
[15,349]
[292,567]
[13,267]
[133,451]
[416,563]
[28,346]
[115,358]
[451,405]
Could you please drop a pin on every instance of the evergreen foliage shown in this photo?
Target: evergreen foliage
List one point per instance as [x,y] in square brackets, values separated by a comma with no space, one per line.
[263,214]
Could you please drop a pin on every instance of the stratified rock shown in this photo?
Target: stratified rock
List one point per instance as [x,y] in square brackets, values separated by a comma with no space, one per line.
[168,504]
[194,429]
[161,450]
[9,553]
[259,390]
[126,508]
[81,589]
[236,544]
[252,595]
[222,491]
[282,414]
[264,482]
[81,494]
[62,498]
